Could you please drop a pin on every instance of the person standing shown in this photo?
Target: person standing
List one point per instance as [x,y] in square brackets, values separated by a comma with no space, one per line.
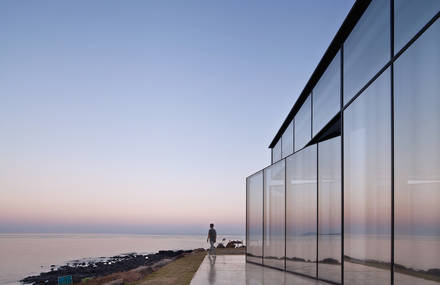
[212,237]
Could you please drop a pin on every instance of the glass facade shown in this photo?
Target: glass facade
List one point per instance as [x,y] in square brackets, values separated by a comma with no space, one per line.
[329,210]
[327,95]
[367,184]
[303,125]
[409,17]
[254,218]
[276,152]
[417,160]
[301,202]
[367,49]
[287,141]
[361,203]
[274,202]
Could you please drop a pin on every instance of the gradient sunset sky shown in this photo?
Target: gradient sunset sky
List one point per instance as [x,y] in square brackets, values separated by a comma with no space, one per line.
[146,116]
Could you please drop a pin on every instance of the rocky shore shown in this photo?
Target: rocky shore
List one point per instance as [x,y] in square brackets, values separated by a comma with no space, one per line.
[91,270]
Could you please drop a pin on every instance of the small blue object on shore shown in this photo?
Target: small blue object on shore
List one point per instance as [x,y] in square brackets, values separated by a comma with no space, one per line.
[65,280]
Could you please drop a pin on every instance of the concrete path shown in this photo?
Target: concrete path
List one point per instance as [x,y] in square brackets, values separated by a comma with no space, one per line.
[232,269]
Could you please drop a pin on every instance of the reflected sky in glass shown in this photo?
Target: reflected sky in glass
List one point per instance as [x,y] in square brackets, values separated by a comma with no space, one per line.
[287,141]
[327,95]
[274,227]
[254,215]
[367,49]
[301,211]
[276,152]
[367,182]
[329,209]
[417,153]
[303,124]
[409,17]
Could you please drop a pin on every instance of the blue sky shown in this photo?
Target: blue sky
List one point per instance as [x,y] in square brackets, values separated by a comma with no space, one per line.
[146,116]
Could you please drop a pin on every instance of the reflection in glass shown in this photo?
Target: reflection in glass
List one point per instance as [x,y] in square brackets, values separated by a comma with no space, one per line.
[367,185]
[276,152]
[409,17]
[417,160]
[367,49]
[303,125]
[301,211]
[287,141]
[327,95]
[254,215]
[274,215]
[329,210]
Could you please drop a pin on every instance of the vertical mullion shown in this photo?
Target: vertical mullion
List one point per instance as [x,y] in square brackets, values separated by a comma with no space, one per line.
[285,214]
[311,115]
[392,135]
[342,164]
[247,243]
[264,188]
[317,210]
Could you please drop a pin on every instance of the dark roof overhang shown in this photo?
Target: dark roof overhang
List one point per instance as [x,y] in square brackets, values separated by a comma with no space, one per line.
[347,26]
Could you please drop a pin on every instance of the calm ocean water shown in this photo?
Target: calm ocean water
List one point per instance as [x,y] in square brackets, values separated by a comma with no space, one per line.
[22,255]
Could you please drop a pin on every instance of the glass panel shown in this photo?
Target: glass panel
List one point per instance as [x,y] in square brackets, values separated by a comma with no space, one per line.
[274,215]
[301,211]
[303,125]
[287,141]
[417,161]
[409,17]
[254,215]
[367,186]
[327,95]
[329,209]
[276,152]
[367,49]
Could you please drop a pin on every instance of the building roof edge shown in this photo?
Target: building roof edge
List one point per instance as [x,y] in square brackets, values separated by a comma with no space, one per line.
[347,26]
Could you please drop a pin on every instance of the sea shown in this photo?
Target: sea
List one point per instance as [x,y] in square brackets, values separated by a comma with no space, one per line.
[23,255]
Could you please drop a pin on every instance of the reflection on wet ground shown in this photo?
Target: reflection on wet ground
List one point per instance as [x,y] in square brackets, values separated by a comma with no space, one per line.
[232,269]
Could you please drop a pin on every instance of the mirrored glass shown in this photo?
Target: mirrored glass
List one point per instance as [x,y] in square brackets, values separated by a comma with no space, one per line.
[274,215]
[254,215]
[367,48]
[409,18]
[301,213]
[303,125]
[276,152]
[417,161]
[327,95]
[329,210]
[367,185]
[287,141]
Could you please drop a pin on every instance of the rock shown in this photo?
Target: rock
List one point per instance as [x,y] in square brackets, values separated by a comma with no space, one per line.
[114,264]
[198,250]
[330,261]
[434,271]
[233,243]
[297,259]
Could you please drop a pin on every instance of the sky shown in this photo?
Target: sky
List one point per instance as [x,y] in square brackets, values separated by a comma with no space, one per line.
[146,116]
